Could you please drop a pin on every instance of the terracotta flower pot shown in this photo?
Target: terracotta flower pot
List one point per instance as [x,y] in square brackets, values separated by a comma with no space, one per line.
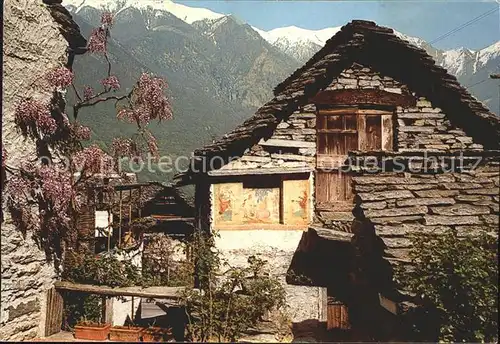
[156,334]
[125,333]
[92,331]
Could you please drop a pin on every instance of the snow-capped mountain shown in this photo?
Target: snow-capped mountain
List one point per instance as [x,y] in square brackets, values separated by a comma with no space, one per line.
[298,44]
[185,13]
[303,43]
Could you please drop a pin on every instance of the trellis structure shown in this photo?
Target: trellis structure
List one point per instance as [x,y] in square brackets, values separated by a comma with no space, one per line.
[55,302]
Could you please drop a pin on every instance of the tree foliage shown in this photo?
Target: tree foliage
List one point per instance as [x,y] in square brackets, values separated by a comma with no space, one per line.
[458,276]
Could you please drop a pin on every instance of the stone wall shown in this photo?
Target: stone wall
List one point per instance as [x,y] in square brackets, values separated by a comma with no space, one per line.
[293,144]
[402,203]
[277,247]
[32,45]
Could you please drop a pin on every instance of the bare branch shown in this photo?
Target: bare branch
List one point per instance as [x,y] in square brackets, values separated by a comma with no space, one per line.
[76,92]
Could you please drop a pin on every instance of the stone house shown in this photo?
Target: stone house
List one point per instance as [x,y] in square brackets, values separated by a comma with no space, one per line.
[37,37]
[368,140]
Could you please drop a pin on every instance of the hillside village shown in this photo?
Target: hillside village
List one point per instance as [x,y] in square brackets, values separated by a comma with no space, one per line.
[354,197]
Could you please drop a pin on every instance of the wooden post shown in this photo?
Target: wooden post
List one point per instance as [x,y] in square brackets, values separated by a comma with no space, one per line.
[132,314]
[362,143]
[282,203]
[54,312]
[129,231]
[139,203]
[103,309]
[108,310]
[130,209]
[109,231]
[120,222]
[387,133]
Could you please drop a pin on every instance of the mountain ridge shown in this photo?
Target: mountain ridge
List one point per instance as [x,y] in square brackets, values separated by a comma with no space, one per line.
[297,42]
[219,68]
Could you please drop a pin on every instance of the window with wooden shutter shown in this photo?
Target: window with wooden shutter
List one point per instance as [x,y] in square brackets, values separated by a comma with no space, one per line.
[339,131]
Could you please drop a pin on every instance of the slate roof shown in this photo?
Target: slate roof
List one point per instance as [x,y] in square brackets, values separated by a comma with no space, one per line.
[366,43]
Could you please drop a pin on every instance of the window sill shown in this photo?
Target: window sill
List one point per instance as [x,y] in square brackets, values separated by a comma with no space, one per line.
[257,226]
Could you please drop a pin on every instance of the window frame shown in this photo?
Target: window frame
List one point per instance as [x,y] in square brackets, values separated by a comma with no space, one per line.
[331,163]
[325,161]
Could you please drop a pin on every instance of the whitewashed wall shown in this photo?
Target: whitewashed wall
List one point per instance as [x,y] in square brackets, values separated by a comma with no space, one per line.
[277,247]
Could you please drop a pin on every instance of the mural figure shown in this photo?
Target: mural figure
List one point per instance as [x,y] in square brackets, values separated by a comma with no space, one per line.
[300,206]
[225,208]
[259,207]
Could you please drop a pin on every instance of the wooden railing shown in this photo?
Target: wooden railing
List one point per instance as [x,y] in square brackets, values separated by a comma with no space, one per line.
[55,304]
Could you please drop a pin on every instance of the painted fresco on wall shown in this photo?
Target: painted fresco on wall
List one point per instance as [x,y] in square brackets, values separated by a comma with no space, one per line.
[261,205]
[297,202]
[226,207]
[237,206]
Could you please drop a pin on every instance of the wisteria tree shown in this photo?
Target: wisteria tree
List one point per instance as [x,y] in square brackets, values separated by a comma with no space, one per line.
[45,195]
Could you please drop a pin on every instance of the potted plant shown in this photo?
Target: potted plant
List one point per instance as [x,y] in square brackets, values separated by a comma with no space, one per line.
[91,331]
[156,334]
[125,333]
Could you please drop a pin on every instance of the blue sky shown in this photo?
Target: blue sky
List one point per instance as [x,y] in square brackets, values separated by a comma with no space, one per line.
[426,19]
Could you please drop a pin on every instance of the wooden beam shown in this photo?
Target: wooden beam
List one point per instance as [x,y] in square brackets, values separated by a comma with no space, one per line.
[259,171]
[373,112]
[150,292]
[166,218]
[337,131]
[341,111]
[287,143]
[362,97]
[352,111]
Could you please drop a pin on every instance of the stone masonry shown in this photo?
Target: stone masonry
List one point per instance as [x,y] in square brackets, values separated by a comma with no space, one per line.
[399,204]
[293,143]
[33,44]
[396,204]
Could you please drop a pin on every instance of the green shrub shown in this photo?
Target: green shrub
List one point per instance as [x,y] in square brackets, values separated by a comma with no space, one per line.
[97,270]
[459,276]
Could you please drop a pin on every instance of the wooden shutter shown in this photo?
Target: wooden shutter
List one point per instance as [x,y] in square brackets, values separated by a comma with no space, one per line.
[337,315]
[338,132]
[333,191]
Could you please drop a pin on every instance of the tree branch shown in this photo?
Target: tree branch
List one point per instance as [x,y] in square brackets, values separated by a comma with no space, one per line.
[76,92]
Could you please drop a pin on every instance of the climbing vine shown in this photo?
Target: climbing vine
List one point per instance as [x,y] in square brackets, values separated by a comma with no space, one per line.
[45,195]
